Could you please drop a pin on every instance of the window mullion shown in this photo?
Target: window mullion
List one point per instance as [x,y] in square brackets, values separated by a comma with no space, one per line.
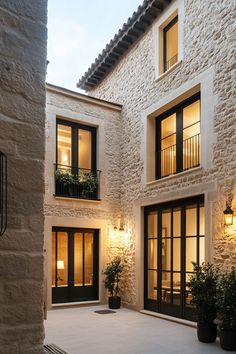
[158,149]
[179,140]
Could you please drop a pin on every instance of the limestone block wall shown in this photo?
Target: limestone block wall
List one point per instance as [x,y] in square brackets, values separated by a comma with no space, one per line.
[208,45]
[22,120]
[103,214]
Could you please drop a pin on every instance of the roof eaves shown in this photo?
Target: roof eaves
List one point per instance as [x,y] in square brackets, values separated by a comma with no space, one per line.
[135,26]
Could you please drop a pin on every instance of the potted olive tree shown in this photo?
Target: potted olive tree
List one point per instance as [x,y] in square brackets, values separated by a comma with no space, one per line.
[112,274]
[227,310]
[203,288]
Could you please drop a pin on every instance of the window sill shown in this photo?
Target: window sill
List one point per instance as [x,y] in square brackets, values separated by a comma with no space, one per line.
[177,175]
[175,66]
[96,201]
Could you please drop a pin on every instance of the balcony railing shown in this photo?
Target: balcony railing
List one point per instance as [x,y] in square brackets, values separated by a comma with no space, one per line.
[191,156]
[73,182]
[171,62]
[3,193]
[191,152]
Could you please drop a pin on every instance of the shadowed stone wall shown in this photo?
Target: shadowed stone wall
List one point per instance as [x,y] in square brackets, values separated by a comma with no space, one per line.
[208,44]
[23,40]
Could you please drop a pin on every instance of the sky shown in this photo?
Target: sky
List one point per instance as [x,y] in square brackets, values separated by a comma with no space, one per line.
[78,30]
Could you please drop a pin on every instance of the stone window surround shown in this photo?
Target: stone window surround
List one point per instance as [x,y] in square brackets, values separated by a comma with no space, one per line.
[84,119]
[202,83]
[173,10]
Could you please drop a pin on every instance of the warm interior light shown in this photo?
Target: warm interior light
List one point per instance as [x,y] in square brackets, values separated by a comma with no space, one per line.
[60,265]
[228,214]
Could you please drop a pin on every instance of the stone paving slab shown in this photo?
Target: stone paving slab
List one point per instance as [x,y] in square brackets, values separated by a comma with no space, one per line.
[82,331]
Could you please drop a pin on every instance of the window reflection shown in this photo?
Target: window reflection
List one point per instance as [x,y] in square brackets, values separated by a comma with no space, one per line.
[63,145]
[171,43]
[78,259]
[62,259]
[85,149]
[88,259]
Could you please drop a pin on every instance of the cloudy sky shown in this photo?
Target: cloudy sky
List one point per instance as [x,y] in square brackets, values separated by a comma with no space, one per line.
[78,30]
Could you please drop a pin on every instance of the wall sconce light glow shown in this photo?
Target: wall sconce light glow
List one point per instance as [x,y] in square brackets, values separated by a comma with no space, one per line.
[228,215]
[60,265]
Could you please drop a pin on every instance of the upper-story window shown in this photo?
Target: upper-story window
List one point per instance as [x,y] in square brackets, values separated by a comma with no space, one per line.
[170,50]
[75,171]
[178,138]
[76,145]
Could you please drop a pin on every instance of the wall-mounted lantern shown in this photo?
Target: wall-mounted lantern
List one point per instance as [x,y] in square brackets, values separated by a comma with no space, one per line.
[228,215]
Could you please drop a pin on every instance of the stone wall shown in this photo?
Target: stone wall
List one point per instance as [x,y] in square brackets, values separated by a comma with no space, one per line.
[208,44]
[22,120]
[103,214]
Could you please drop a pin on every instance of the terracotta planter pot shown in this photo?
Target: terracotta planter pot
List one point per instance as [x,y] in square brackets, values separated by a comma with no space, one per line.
[228,340]
[206,332]
[114,302]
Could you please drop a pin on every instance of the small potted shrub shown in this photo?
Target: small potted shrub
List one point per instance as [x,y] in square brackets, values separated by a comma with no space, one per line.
[112,274]
[227,310]
[67,179]
[203,288]
[88,182]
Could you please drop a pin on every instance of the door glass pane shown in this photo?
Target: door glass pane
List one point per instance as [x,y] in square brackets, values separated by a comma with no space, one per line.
[202,250]
[78,259]
[152,284]
[166,223]
[202,221]
[53,259]
[191,221]
[85,149]
[177,223]
[176,289]
[152,225]
[166,254]
[88,259]
[188,296]
[176,254]
[166,287]
[62,259]
[152,254]
[63,145]
[168,145]
[191,252]
[171,46]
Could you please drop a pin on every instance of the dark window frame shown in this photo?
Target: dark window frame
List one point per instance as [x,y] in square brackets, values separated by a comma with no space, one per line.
[165,30]
[74,142]
[178,110]
[181,311]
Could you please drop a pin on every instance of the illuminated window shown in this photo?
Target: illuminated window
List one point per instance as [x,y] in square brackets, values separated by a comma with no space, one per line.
[178,138]
[171,44]
[76,146]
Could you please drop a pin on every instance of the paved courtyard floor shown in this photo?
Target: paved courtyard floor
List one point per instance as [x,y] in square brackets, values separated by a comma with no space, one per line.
[81,331]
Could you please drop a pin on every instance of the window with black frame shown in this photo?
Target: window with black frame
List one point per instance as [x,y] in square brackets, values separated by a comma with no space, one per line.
[178,138]
[170,44]
[75,172]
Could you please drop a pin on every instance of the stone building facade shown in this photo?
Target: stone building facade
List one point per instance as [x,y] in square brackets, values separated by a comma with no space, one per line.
[130,71]
[22,140]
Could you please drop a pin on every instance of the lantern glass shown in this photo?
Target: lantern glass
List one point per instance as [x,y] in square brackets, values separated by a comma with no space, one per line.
[228,214]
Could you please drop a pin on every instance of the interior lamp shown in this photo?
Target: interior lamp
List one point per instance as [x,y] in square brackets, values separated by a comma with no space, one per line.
[228,215]
[60,265]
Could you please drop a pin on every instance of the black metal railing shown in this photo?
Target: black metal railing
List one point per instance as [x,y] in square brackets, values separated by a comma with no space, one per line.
[168,161]
[171,62]
[3,193]
[191,156]
[191,152]
[74,182]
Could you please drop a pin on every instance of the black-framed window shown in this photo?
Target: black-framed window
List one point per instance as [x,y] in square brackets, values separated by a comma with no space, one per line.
[76,145]
[170,49]
[178,138]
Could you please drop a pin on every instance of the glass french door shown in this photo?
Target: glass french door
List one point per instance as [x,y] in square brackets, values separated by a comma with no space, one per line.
[174,238]
[74,265]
